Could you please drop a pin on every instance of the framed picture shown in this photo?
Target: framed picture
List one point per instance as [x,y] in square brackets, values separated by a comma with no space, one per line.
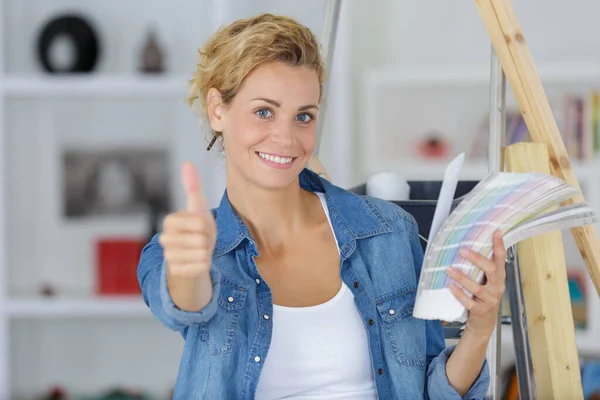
[115,182]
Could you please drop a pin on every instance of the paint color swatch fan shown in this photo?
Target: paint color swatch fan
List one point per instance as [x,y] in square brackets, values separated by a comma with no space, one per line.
[520,205]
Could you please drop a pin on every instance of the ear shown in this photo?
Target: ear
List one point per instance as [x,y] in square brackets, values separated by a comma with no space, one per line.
[215,109]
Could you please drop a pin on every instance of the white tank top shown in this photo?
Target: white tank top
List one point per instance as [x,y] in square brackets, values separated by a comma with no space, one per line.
[319,352]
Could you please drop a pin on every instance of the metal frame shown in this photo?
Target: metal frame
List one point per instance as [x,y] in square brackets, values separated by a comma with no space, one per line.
[4,327]
[497,124]
[519,327]
[497,128]
[330,28]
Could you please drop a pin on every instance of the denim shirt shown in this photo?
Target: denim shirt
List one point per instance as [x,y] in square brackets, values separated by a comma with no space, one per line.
[227,342]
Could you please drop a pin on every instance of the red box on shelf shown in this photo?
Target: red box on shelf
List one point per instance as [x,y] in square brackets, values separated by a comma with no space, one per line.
[117,261]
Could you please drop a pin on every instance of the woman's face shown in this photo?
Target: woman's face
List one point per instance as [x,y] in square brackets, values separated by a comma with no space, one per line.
[270,128]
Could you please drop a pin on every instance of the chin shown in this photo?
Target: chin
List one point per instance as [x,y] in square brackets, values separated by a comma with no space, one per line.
[275,181]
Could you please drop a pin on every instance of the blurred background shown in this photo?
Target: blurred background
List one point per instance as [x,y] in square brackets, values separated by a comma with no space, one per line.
[93,131]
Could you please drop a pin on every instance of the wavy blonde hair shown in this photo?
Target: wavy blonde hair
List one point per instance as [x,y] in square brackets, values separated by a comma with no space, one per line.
[235,50]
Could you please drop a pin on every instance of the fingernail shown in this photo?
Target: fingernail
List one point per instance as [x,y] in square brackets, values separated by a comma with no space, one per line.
[450,271]
[464,252]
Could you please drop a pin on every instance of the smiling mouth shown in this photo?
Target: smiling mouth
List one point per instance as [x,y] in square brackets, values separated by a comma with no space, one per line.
[276,159]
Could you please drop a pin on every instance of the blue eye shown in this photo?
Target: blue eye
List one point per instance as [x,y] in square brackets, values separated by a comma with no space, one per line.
[304,118]
[264,113]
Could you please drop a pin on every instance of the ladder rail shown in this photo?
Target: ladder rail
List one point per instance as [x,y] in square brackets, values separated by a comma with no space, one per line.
[497,133]
[518,318]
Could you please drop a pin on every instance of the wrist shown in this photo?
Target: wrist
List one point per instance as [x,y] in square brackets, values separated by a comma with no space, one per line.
[476,337]
[190,292]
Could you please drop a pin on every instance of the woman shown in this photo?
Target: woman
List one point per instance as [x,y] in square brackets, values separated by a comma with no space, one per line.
[294,287]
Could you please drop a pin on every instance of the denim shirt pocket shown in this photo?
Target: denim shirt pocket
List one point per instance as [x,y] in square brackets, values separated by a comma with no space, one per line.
[219,332]
[406,334]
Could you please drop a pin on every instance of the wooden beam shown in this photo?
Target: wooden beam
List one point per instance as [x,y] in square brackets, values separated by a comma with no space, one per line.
[546,295]
[509,44]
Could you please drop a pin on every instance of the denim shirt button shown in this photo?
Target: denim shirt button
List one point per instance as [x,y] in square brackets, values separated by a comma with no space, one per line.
[392,312]
[230,299]
[371,322]
[257,359]
[257,281]
[355,285]
[265,316]
[380,371]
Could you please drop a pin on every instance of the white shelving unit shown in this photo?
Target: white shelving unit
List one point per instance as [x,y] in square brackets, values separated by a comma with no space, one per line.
[410,101]
[36,331]
[18,313]
[403,100]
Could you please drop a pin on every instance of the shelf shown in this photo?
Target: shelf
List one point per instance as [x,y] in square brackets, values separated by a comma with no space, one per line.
[561,73]
[95,85]
[423,169]
[125,306]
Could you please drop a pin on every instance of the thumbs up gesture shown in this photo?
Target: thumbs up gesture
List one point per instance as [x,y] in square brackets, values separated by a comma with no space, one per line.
[188,237]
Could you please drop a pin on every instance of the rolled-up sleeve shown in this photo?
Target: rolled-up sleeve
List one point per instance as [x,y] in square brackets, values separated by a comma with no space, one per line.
[152,277]
[438,386]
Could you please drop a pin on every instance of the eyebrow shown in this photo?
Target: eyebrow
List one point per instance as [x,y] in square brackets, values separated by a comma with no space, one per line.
[277,104]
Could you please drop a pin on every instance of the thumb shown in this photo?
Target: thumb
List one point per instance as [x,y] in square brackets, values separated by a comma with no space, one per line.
[196,202]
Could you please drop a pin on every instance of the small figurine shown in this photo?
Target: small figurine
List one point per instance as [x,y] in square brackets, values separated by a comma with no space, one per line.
[47,290]
[152,54]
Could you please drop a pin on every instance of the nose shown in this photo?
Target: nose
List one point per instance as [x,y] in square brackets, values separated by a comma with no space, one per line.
[284,134]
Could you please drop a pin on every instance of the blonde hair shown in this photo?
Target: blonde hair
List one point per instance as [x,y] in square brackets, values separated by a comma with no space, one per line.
[235,50]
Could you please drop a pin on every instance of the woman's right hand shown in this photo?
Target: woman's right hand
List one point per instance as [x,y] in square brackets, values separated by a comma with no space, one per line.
[188,240]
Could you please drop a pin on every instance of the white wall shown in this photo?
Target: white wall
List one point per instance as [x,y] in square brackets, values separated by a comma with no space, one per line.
[413,33]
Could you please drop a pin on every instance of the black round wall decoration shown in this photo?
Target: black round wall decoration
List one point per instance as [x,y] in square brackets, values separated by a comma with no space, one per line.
[80,33]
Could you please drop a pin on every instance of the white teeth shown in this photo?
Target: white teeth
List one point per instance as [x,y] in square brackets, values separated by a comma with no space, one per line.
[276,159]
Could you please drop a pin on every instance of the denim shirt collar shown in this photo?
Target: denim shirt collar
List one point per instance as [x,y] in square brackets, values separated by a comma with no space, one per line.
[342,206]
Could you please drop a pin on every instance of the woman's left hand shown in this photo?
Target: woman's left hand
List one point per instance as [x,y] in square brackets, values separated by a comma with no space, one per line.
[483,307]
